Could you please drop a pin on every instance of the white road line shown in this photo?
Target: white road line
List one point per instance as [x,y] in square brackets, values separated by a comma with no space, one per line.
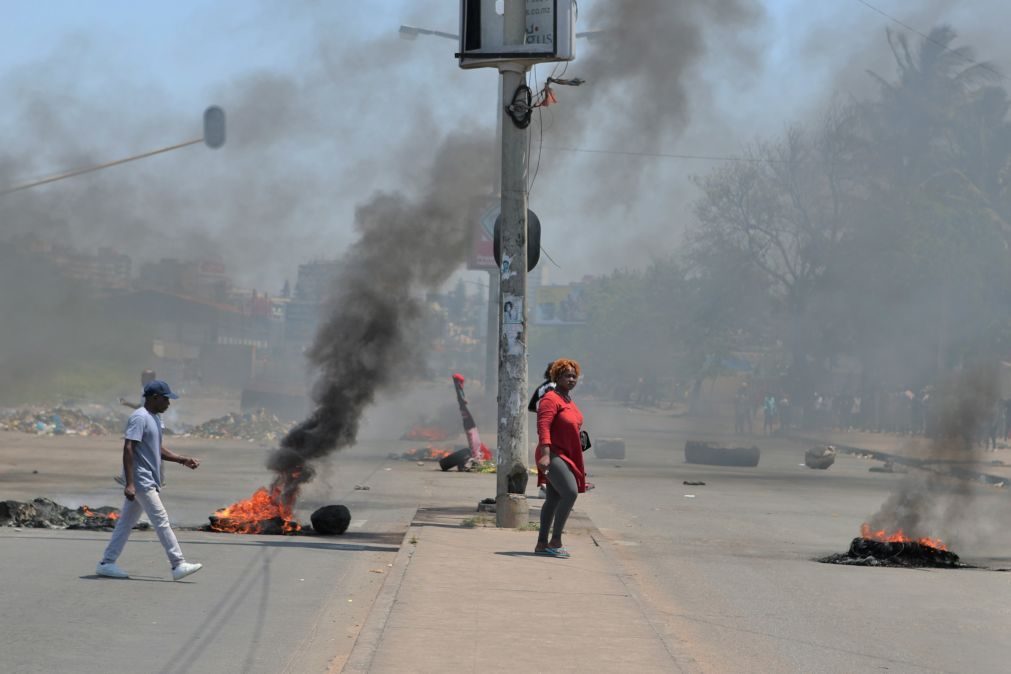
[358,524]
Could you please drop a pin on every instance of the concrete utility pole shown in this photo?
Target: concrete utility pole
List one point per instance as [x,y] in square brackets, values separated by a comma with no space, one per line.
[510,499]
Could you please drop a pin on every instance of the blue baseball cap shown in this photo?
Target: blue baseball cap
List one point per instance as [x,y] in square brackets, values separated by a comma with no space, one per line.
[160,388]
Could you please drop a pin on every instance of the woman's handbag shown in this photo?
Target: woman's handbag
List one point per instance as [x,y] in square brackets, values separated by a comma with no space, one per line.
[584,440]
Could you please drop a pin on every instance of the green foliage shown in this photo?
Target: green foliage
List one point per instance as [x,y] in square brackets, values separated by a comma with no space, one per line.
[884,233]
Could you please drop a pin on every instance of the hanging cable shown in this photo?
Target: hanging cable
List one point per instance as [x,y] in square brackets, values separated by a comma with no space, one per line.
[520,110]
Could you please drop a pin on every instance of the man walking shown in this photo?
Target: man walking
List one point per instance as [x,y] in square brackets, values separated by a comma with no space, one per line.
[143,453]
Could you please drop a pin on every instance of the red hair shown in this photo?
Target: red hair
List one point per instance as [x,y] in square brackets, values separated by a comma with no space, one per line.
[562,364]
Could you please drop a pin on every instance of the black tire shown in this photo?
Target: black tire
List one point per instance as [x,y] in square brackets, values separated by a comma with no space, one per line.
[710,454]
[457,459]
[331,520]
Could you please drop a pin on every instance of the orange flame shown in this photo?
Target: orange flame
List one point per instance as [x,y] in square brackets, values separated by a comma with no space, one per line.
[250,516]
[88,512]
[899,537]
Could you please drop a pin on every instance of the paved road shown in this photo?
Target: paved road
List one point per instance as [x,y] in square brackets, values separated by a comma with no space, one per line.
[261,604]
[729,573]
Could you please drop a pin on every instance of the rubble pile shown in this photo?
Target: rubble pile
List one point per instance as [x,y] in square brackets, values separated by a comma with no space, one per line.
[259,425]
[61,421]
[44,513]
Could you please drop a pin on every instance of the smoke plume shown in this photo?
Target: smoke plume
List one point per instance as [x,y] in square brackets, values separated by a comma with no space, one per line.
[928,503]
[369,338]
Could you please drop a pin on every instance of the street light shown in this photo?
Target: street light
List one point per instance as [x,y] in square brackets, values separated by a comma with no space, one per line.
[214,137]
[412,33]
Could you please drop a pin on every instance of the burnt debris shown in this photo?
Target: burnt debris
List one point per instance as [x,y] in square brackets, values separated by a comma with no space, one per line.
[44,513]
[910,554]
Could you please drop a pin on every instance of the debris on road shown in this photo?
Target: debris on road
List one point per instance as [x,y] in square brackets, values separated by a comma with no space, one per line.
[820,458]
[44,513]
[690,483]
[869,552]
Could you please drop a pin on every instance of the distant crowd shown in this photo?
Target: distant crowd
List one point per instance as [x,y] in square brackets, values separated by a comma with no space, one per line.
[900,411]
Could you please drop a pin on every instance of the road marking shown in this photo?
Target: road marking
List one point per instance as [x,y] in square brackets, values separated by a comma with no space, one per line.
[358,524]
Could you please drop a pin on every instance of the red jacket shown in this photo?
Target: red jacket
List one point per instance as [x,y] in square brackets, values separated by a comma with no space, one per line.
[558,425]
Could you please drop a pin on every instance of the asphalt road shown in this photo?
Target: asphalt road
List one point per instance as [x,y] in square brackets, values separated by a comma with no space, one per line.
[261,603]
[727,568]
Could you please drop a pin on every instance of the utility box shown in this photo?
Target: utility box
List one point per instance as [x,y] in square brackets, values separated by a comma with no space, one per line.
[550,33]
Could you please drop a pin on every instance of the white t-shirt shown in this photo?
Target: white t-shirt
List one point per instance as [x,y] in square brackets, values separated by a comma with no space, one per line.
[145,429]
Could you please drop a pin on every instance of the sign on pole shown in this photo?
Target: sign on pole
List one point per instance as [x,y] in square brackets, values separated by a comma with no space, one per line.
[550,33]
[482,242]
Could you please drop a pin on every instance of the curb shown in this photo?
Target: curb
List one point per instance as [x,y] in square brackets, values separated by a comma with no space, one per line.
[369,637]
[676,650]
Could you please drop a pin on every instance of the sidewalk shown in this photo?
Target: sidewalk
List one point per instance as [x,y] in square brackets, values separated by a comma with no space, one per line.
[464,598]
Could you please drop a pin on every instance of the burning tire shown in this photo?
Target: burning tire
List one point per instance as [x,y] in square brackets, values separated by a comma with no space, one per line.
[457,459]
[609,448]
[331,520]
[709,453]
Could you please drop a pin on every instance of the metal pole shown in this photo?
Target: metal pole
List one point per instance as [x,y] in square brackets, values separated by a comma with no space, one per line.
[491,335]
[511,504]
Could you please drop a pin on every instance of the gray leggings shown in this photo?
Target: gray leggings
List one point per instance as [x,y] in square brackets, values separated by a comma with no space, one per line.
[562,492]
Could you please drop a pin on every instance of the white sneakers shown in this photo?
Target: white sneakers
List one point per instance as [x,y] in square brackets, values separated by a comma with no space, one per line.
[110,570]
[185,569]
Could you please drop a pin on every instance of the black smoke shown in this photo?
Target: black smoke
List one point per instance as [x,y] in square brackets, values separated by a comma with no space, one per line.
[370,336]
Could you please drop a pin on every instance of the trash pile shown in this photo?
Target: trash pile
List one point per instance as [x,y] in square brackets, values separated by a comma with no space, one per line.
[259,425]
[61,421]
[44,513]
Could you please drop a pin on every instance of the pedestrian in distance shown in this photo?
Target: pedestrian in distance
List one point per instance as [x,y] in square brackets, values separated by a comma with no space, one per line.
[143,454]
[559,422]
[146,377]
[769,413]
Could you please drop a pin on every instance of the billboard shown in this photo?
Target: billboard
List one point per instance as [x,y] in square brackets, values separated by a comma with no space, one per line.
[559,305]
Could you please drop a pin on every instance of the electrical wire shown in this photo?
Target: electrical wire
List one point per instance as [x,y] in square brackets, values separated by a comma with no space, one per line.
[667,155]
[929,39]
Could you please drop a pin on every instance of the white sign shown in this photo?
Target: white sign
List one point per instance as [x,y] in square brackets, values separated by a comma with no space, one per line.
[550,33]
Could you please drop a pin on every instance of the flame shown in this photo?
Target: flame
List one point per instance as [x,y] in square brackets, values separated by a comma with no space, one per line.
[425,433]
[88,512]
[899,537]
[248,517]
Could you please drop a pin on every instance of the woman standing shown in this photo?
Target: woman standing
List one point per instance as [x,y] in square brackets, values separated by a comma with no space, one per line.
[558,424]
